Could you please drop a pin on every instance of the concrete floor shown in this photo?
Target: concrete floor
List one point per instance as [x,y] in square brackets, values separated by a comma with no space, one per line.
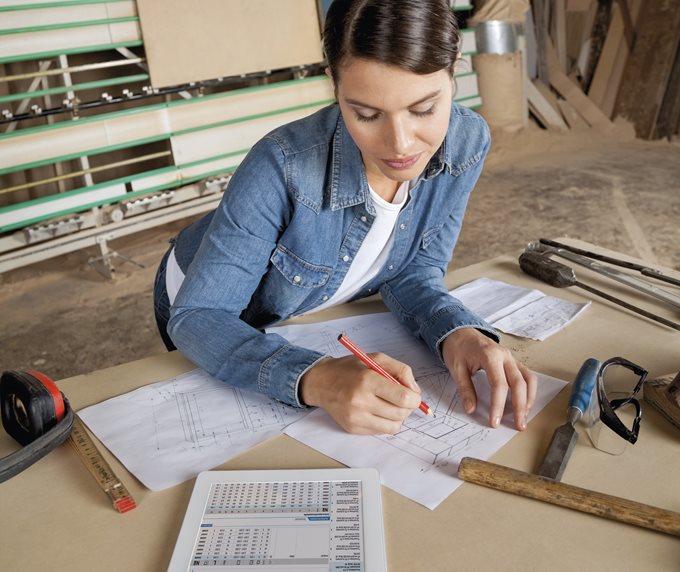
[64,319]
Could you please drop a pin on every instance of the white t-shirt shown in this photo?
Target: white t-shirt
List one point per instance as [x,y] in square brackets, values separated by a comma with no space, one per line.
[369,259]
[173,277]
[374,250]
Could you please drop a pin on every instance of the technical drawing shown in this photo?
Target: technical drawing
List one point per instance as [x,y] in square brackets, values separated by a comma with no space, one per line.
[437,440]
[241,412]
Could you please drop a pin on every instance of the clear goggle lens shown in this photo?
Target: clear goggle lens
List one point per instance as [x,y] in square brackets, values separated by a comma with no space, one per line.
[613,407]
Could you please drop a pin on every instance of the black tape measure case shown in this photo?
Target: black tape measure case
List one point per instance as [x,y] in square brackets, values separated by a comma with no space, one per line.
[36,414]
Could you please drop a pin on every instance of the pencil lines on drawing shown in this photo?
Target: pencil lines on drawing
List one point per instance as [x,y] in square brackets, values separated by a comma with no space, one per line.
[439,440]
[193,412]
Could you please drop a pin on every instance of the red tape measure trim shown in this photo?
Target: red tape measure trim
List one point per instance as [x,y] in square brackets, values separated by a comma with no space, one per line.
[59,407]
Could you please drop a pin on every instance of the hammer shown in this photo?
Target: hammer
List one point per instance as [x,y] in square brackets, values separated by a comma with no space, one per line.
[569,496]
[546,486]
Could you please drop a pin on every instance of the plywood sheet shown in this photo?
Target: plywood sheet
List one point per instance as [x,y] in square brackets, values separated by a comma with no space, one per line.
[648,69]
[188,41]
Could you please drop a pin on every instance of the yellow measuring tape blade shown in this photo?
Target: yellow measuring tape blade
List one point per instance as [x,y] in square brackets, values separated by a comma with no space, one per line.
[100,469]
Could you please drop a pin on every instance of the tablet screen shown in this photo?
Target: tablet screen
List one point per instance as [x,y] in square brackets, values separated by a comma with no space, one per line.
[303,520]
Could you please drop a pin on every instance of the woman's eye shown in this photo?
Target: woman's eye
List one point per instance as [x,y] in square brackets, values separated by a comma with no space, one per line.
[367,118]
[424,112]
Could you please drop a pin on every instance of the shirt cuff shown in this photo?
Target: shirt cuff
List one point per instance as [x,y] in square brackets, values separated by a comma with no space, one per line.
[280,374]
[448,320]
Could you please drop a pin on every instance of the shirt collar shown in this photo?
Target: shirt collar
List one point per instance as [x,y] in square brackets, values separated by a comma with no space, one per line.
[348,184]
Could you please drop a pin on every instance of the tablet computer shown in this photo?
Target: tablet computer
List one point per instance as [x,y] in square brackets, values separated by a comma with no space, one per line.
[303,520]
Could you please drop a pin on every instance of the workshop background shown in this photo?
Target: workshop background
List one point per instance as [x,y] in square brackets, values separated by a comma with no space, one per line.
[121,121]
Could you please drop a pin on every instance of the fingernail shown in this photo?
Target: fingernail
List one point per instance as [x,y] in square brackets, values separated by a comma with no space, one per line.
[468,405]
[495,422]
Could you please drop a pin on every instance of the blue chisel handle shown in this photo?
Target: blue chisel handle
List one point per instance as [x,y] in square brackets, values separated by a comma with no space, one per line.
[583,385]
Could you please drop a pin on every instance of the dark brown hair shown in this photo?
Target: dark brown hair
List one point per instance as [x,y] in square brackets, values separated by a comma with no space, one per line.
[417,35]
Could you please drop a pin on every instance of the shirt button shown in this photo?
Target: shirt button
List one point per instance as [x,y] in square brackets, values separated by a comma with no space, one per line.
[345,258]
[402,226]
[390,267]
[363,219]
[325,298]
[296,279]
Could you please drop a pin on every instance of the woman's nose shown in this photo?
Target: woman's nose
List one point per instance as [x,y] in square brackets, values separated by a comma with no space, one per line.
[400,136]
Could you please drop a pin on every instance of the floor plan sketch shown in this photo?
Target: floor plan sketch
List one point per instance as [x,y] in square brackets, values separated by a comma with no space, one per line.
[436,440]
[168,432]
[242,411]
[421,460]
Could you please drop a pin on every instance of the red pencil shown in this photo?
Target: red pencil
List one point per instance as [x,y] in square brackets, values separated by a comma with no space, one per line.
[375,366]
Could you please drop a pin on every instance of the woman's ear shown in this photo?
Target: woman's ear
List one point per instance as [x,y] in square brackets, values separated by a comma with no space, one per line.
[329,74]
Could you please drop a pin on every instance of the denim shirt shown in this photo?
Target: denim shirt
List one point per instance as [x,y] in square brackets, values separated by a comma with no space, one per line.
[285,233]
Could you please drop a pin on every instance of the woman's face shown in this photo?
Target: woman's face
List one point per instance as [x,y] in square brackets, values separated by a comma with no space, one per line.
[397,118]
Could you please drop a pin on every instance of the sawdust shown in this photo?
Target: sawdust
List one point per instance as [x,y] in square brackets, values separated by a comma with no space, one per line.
[532,144]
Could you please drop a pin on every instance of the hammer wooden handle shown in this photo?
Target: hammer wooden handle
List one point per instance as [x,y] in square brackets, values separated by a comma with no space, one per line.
[540,488]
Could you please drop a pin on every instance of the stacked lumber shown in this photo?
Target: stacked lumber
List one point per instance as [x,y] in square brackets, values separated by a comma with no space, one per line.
[599,60]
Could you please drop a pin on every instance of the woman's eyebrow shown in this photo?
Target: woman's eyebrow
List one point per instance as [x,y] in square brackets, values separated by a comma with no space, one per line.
[358,103]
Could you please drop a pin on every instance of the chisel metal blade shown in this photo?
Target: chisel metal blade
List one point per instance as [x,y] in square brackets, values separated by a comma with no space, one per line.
[565,436]
[557,456]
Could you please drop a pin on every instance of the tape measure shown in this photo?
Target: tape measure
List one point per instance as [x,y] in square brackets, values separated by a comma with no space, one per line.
[39,417]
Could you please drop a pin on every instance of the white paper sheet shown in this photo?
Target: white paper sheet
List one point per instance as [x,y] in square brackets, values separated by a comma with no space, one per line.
[523,312]
[421,461]
[168,432]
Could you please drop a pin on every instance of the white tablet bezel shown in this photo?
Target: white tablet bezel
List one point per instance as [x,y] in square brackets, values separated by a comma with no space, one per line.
[373,529]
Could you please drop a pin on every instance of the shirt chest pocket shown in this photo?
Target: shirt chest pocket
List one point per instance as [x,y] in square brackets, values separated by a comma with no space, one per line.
[292,285]
[293,279]
[298,272]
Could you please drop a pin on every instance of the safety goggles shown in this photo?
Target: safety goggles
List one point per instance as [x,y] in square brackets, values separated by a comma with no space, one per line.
[614,413]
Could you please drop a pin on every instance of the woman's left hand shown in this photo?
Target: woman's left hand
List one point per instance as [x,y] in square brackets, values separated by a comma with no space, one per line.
[466,351]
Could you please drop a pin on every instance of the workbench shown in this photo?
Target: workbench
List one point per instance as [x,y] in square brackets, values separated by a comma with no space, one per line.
[55,517]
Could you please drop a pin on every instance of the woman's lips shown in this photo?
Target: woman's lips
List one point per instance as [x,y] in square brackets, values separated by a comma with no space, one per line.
[400,164]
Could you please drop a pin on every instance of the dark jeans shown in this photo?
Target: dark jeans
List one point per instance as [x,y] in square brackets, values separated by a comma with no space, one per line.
[161,302]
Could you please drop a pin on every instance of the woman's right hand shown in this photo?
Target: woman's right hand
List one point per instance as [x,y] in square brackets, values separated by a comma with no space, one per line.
[359,399]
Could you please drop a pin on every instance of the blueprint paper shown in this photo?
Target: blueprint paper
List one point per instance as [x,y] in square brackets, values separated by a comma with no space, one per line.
[523,312]
[421,461]
[168,432]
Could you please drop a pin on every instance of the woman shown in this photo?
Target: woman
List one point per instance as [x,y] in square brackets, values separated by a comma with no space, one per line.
[365,195]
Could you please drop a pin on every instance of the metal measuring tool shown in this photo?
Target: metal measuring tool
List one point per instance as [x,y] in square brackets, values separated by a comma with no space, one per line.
[641,268]
[559,275]
[608,271]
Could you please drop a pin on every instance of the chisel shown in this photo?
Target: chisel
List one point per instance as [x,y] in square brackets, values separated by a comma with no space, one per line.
[561,276]
[565,437]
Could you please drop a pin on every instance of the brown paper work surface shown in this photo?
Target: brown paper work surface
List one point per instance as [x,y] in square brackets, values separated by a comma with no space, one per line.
[55,517]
